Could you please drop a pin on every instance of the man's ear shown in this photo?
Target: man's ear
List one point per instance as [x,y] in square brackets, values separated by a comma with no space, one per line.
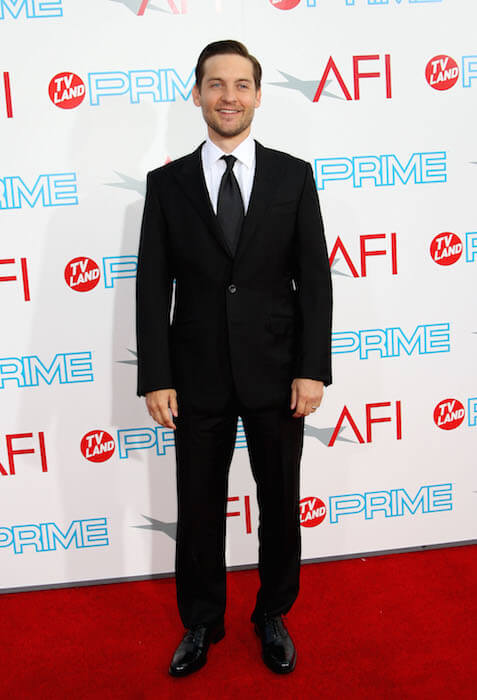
[196,95]
[258,97]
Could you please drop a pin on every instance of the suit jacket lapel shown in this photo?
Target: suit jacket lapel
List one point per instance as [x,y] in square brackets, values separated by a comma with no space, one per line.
[191,177]
[267,177]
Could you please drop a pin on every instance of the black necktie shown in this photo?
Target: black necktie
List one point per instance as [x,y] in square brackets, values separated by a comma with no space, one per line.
[230,210]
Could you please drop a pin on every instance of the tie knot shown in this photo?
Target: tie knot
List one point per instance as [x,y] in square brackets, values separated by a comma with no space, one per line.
[230,162]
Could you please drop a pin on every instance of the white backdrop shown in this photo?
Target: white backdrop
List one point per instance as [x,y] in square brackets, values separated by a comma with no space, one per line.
[96,93]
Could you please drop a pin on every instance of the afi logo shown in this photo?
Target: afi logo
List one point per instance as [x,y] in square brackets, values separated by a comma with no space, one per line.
[66,90]
[369,421]
[13,278]
[247,517]
[364,253]
[357,76]
[312,511]
[449,414]
[97,446]
[8,94]
[23,450]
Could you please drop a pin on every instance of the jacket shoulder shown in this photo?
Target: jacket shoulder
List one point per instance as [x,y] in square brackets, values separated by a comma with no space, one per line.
[172,166]
[284,158]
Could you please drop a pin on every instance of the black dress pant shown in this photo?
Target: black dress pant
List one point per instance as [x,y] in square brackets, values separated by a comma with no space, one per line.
[204,448]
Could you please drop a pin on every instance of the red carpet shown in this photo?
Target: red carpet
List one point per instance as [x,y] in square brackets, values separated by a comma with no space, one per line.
[397,626]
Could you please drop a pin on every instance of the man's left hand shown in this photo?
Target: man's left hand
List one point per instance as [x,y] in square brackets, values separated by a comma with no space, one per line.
[306,395]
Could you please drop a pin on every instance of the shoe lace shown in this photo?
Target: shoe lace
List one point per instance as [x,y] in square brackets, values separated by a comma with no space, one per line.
[277,624]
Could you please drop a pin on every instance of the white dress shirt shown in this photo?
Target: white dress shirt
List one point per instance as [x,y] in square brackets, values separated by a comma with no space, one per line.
[214,168]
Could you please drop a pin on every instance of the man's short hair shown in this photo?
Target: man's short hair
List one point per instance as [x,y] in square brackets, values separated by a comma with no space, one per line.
[224,47]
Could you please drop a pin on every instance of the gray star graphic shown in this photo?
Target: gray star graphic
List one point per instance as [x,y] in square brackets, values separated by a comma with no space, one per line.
[337,272]
[324,434]
[129,362]
[306,87]
[168,529]
[129,183]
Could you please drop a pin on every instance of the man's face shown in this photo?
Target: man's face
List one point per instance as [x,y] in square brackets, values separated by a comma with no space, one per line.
[228,96]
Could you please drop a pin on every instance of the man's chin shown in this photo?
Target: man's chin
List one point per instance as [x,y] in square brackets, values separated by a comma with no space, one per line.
[229,132]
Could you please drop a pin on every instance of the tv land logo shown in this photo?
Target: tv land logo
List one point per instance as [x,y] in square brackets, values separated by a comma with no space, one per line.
[31,371]
[447,247]
[82,274]
[387,170]
[364,253]
[67,90]
[449,413]
[291,4]
[315,89]
[50,536]
[48,190]
[30,9]
[24,444]
[442,71]
[312,511]
[97,446]
[425,339]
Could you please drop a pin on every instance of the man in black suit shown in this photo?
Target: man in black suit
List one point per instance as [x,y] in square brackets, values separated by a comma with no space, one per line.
[238,227]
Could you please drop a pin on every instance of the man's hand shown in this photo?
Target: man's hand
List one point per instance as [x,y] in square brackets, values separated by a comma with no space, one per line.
[158,404]
[306,395]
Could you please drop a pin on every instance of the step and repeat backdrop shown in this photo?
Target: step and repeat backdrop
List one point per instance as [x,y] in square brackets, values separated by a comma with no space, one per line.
[380,97]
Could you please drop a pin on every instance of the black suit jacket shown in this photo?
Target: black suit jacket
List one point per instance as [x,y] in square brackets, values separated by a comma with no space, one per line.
[257,319]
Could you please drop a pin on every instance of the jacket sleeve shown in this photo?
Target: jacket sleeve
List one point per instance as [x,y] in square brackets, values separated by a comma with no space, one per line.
[153,298]
[313,285]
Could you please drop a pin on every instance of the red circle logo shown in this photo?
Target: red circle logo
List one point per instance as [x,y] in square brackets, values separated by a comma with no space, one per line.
[442,72]
[66,90]
[312,511]
[97,446]
[449,414]
[285,4]
[446,248]
[82,274]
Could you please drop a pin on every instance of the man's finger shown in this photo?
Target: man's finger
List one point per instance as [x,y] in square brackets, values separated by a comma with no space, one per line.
[174,407]
[293,397]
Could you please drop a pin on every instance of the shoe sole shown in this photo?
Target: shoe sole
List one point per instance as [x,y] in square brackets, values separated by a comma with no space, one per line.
[214,638]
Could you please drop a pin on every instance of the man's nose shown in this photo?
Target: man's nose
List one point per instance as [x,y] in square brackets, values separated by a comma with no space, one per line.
[229,94]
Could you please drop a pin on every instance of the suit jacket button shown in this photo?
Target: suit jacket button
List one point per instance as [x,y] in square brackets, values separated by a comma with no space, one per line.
[232,288]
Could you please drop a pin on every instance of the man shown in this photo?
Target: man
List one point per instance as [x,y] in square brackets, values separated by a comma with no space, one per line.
[238,226]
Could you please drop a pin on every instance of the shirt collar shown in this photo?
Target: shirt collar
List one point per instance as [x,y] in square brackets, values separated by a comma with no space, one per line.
[245,152]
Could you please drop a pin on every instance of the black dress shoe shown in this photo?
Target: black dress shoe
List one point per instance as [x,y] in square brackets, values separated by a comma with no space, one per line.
[278,650]
[191,654]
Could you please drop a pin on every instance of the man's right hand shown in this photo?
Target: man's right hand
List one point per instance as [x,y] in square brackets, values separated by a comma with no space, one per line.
[158,404]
